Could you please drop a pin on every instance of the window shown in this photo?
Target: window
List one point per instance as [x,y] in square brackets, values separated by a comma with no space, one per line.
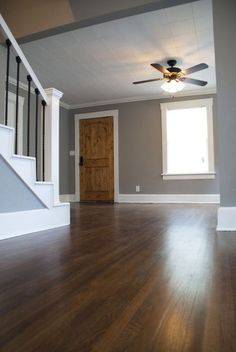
[187,139]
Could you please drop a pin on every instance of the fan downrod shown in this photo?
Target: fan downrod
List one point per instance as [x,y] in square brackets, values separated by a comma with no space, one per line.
[171,63]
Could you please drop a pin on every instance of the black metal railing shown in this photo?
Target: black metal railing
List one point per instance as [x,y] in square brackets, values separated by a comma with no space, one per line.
[8,44]
[36,129]
[18,61]
[43,139]
[35,118]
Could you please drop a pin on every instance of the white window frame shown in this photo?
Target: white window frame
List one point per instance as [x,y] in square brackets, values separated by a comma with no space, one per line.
[208,103]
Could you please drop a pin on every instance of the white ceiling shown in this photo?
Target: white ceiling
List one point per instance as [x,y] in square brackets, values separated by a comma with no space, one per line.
[99,63]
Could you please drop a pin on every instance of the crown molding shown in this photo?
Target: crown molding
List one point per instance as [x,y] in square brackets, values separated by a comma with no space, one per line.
[64,105]
[24,86]
[21,84]
[141,98]
[122,100]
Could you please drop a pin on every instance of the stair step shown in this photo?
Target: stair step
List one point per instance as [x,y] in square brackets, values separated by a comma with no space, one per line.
[24,166]
[24,157]
[23,222]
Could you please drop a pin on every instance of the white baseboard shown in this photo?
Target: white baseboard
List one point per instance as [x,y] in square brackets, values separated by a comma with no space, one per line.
[169,198]
[24,222]
[67,198]
[226,220]
[157,198]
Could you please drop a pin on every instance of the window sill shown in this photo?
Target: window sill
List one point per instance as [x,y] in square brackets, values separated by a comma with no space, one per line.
[206,176]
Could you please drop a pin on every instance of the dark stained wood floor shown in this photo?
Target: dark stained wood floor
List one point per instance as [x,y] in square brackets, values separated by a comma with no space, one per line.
[122,278]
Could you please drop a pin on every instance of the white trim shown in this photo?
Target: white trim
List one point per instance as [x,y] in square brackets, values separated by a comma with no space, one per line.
[24,87]
[142,98]
[184,104]
[226,219]
[162,96]
[64,198]
[158,198]
[92,115]
[64,105]
[52,116]
[208,103]
[170,198]
[26,222]
[5,30]
[204,176]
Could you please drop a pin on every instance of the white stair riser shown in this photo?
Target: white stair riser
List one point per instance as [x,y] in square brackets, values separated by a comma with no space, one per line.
[44,193]
[20,223]
[24,168]
[6,149]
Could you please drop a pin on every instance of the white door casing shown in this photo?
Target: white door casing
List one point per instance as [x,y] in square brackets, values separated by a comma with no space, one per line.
[92,115]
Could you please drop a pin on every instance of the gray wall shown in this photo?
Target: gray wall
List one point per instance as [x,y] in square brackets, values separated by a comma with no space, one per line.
[225,52]
[66,162]
[14,194]
[23,93]
[140,153]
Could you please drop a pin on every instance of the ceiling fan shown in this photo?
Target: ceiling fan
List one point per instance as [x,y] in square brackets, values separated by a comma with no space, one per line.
[174,76]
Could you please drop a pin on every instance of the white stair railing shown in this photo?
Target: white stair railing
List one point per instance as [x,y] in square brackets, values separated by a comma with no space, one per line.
[7,34]
[48,131]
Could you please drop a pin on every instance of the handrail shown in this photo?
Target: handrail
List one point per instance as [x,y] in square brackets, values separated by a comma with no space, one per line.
[5,30]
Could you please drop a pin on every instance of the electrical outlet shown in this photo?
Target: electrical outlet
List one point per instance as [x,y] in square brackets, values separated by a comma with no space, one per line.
[137,188]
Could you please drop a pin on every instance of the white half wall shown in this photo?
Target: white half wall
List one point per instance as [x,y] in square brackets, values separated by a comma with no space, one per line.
[226,220]
[24,222]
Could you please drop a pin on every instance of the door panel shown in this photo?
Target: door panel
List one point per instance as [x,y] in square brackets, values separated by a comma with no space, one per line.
[97,169]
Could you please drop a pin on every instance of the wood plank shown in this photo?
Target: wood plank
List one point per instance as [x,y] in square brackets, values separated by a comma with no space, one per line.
[136,278]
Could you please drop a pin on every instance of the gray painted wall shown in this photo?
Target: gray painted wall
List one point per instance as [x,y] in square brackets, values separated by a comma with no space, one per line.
[225,52]
[23,94]
[14,194]
[140,153]
[66,162]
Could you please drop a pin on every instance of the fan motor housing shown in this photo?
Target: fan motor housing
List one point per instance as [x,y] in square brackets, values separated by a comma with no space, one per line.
[173,69]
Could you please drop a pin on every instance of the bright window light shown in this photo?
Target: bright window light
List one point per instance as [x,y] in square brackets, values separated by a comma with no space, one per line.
[187,144]
[187,136]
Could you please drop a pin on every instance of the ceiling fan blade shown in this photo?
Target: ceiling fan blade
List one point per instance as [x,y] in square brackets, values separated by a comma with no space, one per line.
[197,82]
[159,68]
[195,68]
[148,80]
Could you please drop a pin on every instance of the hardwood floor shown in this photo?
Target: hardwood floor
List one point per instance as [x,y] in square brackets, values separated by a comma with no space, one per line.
[121,278]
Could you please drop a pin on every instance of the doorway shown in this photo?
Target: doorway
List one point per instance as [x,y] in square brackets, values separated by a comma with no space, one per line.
[96,156]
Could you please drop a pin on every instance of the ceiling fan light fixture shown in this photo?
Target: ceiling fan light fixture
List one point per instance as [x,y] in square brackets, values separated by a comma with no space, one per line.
[172,86]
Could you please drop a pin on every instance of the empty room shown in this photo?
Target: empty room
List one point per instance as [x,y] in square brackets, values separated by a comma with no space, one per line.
[117,176]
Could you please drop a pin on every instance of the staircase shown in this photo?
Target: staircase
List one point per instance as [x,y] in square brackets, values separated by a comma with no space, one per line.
[34,178]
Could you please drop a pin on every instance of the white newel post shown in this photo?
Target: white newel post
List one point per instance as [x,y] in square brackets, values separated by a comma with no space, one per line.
[52,139]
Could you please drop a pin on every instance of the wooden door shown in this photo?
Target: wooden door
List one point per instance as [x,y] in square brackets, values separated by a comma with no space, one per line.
[96,159]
